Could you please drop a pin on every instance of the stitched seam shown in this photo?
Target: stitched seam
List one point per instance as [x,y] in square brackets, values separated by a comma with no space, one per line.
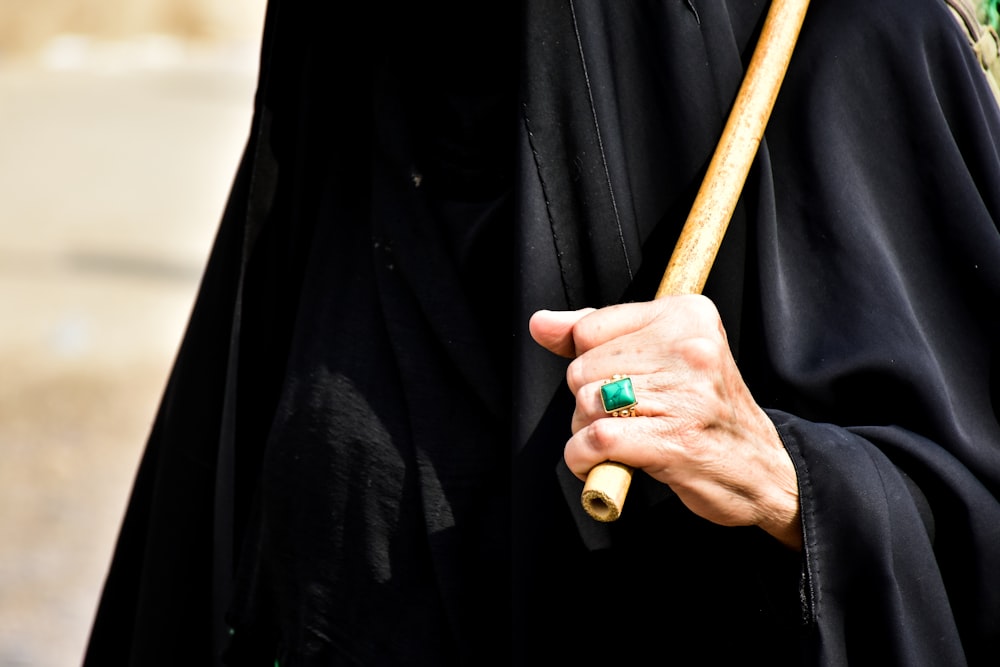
[810,547]
[694,10]
[545,197]
[600,143]
[809,592]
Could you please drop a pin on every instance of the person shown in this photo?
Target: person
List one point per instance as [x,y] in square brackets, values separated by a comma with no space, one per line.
[447,231]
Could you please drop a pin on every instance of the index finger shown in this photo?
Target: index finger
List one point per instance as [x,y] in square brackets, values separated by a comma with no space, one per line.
[611,322]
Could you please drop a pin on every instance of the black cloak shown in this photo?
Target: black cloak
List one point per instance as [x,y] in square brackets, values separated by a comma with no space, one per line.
[357,459]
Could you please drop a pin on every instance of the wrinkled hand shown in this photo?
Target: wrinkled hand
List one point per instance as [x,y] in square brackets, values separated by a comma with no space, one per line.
[698,428]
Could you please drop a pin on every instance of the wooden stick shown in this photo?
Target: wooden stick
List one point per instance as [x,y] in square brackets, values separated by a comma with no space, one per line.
[693,256]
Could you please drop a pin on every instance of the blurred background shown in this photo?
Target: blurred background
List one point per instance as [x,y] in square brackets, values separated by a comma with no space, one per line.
[121,126]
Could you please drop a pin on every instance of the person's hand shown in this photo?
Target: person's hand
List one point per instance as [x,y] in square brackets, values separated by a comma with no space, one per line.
[697,426]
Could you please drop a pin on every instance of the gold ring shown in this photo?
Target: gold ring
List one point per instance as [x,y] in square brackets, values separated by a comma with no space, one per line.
[618,396]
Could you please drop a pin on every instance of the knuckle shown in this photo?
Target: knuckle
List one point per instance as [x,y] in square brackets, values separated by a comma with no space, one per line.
[586,333]
[703,306]
[573,374]
[603,434]
[701,353]
[586,410]
[578,374]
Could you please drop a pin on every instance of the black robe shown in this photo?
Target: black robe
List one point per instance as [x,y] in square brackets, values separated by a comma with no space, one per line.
[357,459]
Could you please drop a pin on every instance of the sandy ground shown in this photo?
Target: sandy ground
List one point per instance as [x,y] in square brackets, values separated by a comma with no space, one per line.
[115,162]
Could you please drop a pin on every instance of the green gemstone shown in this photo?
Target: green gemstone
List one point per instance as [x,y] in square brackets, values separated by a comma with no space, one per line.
[617,395]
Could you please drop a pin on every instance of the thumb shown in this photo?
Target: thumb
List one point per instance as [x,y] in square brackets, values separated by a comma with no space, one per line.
[553,329]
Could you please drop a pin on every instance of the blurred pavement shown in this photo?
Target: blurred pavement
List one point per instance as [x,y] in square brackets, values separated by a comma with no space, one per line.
[115,162]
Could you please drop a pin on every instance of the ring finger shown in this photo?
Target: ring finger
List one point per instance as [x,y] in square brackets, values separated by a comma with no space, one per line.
[617,396]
